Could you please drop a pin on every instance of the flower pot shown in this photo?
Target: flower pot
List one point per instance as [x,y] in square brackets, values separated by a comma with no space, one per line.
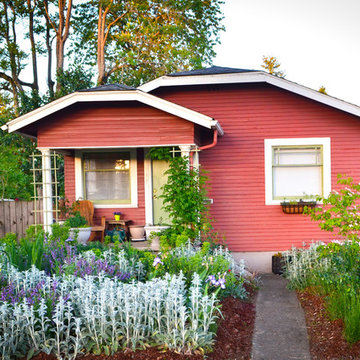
[83,234]
[297,208]
[151,231]
[117,217]
[277,265]
[137,232]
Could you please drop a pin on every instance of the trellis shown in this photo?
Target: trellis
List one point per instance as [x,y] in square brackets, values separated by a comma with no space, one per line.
[39,182]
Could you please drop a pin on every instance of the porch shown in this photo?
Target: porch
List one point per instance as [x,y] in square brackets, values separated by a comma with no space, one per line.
[123,179]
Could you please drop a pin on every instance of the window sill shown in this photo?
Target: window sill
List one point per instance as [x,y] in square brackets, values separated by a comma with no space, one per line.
[112,206]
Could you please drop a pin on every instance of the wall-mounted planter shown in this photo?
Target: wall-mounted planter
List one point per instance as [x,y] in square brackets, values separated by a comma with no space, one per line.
[296,208]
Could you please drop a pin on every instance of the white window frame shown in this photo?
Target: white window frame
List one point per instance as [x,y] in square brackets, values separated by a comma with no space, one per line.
[79,178]
[269,144]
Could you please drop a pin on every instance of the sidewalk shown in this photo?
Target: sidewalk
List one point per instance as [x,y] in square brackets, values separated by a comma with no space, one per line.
[280,330]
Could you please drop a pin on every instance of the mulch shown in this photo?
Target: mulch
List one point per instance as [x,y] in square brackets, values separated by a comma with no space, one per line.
[325,335]
[233,339]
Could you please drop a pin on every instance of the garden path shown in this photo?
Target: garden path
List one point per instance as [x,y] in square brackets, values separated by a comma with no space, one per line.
[280,329]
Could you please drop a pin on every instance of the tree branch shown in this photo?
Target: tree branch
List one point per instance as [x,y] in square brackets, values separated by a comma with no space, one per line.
[67,21]
[48,17]
[112,23]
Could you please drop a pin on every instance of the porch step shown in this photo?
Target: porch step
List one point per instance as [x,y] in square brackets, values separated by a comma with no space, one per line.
[141,245]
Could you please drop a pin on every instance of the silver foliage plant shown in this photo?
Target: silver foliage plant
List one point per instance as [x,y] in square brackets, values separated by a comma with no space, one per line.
[301,264]
[102,315]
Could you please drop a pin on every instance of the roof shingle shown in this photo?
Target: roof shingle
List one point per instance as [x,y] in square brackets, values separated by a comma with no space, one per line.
[109,87]
[211,71]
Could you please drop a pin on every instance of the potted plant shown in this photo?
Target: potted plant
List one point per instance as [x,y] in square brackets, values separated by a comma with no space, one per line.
[79,229]
[153,235]
[296,206]
[137,232]
[277,263]
[117,215]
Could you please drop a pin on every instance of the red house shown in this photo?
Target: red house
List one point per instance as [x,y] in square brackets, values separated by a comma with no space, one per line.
[263,139]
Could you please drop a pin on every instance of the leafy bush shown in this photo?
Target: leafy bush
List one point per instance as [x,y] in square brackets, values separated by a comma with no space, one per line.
[189,260]
[184,198]
[333,270]
[76,221]
[340,210]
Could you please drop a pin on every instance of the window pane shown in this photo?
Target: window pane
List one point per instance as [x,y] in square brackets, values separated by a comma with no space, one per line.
[109,161]
[107,185]
[297,181]
[297,156]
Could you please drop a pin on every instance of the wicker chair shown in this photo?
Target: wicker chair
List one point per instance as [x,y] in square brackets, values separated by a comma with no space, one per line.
[86,209]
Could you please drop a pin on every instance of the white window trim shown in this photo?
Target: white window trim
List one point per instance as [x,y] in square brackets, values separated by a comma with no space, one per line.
[79,178]
[270,143]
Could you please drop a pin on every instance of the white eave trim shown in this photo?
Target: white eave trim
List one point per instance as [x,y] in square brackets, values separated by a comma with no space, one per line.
[252,77]
[131,95]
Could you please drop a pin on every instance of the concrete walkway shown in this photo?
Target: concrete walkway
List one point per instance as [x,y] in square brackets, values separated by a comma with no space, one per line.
[280,330]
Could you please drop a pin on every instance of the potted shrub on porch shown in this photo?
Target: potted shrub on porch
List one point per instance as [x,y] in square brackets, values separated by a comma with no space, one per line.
[153,235]
[79,229]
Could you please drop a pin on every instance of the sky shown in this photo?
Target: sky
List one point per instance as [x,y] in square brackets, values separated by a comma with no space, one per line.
[316,41]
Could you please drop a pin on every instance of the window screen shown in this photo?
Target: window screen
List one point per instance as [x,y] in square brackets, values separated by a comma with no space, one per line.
[297,171]
[107,177]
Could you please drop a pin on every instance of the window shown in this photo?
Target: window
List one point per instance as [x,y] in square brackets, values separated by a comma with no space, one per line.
[295,168]
[109,178]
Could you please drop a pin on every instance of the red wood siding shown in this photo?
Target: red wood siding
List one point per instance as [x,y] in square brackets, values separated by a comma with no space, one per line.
[248,115]
[69,172]
[113,124]
[137,215]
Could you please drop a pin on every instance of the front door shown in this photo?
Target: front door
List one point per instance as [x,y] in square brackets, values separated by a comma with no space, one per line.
[159,179]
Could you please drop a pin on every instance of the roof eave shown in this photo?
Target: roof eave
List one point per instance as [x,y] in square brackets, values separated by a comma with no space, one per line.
[253,77]
[124,95]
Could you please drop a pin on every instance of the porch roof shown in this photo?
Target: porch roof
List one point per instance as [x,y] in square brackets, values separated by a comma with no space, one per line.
[116,93]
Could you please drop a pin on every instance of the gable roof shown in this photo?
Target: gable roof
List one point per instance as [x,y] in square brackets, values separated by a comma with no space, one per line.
[219,75]
[113,92]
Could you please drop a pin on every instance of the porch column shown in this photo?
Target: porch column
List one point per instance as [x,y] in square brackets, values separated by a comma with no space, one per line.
[47,189]
[185,150]
[196,161]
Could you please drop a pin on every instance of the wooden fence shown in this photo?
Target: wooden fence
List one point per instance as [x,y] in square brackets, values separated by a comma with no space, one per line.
[17,216]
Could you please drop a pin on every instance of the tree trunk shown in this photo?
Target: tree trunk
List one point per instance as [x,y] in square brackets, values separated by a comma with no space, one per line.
[33,46]
[101,47]
[62,32]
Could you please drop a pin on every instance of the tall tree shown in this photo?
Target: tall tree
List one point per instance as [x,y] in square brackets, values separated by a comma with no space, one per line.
[272,65]
[135,41]
[11,56]
[60,22]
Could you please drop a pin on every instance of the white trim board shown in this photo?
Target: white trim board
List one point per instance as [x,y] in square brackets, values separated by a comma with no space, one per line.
[112,146]
[252,77]
[98,96]
[270,143]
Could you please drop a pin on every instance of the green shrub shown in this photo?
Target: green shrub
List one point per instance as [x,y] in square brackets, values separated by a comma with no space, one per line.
[76,221]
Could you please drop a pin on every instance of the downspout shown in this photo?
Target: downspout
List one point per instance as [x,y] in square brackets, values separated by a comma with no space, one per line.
[212,144]
[209,146]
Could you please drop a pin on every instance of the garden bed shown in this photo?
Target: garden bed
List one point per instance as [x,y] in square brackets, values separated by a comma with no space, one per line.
[325,336]
[233,339]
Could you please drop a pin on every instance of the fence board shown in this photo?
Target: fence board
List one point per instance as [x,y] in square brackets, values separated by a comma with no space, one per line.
[2,222]
[17,216]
